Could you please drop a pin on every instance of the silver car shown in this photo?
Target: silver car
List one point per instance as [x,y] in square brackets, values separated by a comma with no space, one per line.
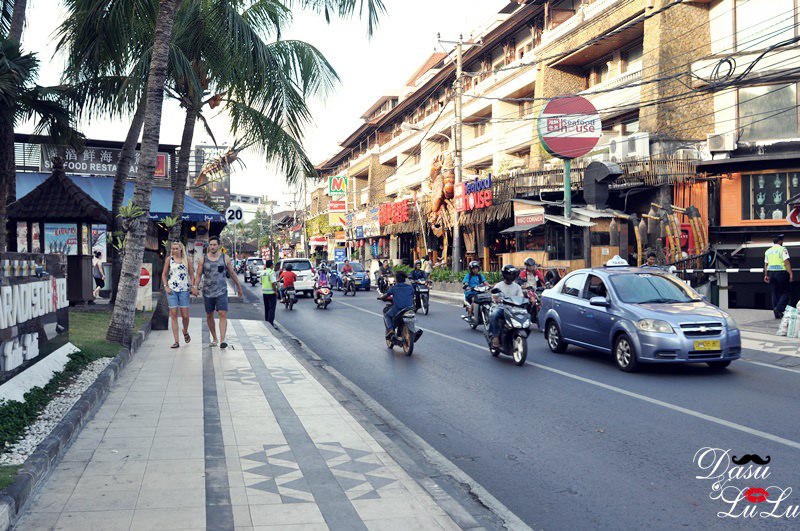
[639,315]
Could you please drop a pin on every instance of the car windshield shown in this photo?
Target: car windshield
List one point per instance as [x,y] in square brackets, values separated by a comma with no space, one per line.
[357,268]
[257,262]
[643,288]
[299,266]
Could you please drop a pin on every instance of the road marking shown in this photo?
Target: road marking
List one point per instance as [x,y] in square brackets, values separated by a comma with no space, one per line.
[631,394]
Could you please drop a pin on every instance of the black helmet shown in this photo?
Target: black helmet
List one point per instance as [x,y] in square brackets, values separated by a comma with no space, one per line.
[510,273]
[530,262]
[474,264]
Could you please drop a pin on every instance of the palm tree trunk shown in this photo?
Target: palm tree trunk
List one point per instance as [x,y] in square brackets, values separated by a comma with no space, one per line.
[17,21]
[160,319]
[121,325]
[118,193]
[7,172]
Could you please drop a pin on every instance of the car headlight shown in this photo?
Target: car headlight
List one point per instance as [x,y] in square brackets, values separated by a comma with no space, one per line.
[654,325]
[731,323]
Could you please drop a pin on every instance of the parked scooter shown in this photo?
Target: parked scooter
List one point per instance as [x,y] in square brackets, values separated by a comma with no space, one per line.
[289,298]
[405,332]
[515,330]
[482,298]
[323,296]
[422,294]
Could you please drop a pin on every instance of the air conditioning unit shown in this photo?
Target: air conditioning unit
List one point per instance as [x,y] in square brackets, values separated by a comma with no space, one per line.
[721,142]
[618,149]
[635,146]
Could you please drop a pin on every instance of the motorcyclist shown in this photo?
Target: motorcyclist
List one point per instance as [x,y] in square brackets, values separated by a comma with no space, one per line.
[473,279]
[347,268]
[508,288]
[322,275]
[417,273]
[402,296]
[531,275]
[385,270]
[287,279]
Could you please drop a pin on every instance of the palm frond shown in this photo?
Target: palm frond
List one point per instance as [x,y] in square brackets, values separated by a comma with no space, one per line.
[53,118]
[372,10]
[6,14]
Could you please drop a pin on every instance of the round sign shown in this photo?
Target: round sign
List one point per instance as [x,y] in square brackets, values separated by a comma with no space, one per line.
[144,277]
[569,127]
[234,215]
[794,216]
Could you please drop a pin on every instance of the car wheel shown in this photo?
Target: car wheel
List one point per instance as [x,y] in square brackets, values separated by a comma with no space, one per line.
[719,365]
[554,340]
[625,354]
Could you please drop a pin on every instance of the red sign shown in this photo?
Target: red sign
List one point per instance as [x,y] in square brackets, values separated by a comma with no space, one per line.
[161,165]
[144,277]
[393,213]
[473,195]
[337,206]
[569,127]
[529,219]
[794,216]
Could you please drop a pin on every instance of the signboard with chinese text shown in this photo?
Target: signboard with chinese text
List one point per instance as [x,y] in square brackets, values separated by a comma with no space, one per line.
[393,213]
[97,161]
[475,194]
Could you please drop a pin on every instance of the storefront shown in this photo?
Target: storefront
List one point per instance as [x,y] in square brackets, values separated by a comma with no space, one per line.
[485,210]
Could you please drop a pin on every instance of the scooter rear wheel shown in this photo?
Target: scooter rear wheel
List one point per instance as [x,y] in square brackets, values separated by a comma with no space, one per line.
[408,342]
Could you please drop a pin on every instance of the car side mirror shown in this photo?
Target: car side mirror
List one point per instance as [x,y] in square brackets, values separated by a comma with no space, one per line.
[599,301]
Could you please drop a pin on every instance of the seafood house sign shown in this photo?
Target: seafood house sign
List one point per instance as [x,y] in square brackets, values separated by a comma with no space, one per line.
[34,319]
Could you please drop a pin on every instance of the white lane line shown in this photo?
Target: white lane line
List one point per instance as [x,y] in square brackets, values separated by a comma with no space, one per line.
[631,394]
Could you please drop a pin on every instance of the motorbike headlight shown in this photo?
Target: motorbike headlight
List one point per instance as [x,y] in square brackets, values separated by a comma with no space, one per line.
[655,325]
[730,322]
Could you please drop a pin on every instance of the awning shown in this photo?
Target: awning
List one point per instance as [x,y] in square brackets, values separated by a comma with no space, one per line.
[318,241]
[568,222]
[100,188]
[520,228]
[757,162]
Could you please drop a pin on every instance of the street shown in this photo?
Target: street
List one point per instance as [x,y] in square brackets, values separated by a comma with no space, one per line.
[566,440]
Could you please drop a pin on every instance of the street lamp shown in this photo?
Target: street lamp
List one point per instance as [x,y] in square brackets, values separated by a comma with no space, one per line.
[406,126]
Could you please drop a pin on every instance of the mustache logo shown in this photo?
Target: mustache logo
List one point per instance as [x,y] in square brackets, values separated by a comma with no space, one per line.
[747,458]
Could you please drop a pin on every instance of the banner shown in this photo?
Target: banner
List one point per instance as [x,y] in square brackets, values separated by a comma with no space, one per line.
[97,161]
[61,238]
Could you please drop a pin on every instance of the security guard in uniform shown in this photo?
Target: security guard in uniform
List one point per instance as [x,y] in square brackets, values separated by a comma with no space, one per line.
[778,274]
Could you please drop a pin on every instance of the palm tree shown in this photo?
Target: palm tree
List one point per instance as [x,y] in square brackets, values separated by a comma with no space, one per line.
[124,310]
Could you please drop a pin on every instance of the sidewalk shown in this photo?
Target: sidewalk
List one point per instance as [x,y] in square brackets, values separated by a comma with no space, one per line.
[199,438]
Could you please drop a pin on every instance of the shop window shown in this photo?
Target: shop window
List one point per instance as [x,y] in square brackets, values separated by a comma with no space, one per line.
[574,285]
[762,24]
[764,194]
[768,112]
[599,72]
[479,129]
[600,238]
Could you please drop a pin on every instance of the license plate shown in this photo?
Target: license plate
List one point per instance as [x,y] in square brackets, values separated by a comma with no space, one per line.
[706,344]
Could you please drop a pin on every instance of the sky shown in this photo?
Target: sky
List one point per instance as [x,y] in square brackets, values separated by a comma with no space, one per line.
[368,68]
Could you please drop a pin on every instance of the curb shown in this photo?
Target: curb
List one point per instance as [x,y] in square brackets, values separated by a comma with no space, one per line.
[47,455]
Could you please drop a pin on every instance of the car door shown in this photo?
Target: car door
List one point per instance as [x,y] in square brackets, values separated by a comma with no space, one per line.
[594,322]
[568,303]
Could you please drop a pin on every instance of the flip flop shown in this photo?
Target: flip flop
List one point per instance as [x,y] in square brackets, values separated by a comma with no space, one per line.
[175,345]
[187,337]
[223,345]
[212,344]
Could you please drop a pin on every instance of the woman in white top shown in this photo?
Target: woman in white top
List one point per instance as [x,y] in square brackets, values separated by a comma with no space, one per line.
[177,278]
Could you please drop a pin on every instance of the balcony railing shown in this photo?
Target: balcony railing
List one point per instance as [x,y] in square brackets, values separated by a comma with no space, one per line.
[621,98]
[584,14]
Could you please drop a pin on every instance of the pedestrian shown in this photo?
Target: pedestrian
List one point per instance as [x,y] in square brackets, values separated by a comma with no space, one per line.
[177,277]
[428,266]
[778,274]
[268,281]
[212,270]
[98,274]
[651,261]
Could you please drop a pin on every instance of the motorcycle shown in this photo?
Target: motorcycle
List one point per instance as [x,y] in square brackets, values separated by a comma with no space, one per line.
[404,333]
[348,283]
[253,280]
[322,296]
[422,295]
[515,329]
[482,297]
[534,302]
[289,298]
[384,282]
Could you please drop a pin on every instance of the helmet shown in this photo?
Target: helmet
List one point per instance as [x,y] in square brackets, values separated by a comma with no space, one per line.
[510,273]
[474,264]
[530,262]
[418,263]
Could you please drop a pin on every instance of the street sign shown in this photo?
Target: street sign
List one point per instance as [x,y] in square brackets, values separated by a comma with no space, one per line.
[234,215]
[794,216]
[569,127]
[339,254]
[144,277]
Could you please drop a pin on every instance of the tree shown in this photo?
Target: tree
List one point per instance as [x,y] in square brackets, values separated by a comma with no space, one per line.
[119,330]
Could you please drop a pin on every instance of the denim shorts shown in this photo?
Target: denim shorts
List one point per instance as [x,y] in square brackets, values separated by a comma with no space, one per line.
[219,304]
[178,299]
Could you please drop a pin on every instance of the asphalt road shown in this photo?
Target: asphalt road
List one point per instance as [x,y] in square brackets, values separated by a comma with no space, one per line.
[568,441]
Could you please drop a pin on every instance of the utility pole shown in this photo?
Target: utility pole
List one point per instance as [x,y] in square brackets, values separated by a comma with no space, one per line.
[458,129]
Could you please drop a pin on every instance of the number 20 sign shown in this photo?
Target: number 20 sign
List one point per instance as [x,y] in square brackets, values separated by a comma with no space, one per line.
[234,215]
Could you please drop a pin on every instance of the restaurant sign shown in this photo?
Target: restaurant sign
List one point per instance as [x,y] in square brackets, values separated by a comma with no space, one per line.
[472,195]
[97,161]
[529,219]
[394,213]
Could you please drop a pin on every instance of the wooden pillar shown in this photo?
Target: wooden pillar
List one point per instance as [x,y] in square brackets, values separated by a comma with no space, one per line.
[486,258]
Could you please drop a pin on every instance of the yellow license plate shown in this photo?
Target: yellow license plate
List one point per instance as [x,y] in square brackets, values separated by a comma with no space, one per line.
[706,344]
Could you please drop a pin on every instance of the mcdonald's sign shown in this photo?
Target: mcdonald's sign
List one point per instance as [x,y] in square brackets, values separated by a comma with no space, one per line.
[337,185]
